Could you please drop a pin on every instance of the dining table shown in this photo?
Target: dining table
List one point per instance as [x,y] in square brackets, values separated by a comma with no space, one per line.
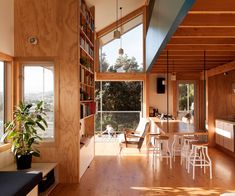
[171,128]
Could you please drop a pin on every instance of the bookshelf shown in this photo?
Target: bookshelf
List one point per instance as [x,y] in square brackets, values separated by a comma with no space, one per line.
[87,86]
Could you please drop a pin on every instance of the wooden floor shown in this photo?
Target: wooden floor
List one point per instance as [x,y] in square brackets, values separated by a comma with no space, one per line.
[134,175]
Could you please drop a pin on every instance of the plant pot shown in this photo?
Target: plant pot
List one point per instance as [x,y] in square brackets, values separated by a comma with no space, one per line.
[23,161]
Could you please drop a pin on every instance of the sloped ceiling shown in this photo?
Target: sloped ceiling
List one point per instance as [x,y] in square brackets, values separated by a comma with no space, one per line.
[105,10]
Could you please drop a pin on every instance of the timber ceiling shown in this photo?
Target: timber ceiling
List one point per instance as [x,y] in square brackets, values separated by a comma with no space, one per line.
[209,26]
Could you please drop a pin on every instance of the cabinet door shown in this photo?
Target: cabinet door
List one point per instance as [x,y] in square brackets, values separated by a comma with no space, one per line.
[229,136]
[219,124]
[217,139]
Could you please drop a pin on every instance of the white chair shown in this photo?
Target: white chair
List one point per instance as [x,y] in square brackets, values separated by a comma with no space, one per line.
[134,138]
[199,157]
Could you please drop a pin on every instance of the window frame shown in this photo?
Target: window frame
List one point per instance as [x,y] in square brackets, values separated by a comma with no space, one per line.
[44,141]
[8,90]
[4,93]
[122,21]
[128,31]
[141,112]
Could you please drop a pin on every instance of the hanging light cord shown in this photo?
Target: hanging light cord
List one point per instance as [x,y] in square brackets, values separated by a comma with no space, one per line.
[204,66]
[121,28]
[167,86]
[116,14]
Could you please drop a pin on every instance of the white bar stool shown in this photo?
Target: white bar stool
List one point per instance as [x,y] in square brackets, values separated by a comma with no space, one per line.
[199,157]
[161,148]
[177,145]
[186,148]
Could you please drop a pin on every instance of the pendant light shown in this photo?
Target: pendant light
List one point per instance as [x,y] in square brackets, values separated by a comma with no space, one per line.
[116,33]
[121,51]
[173,75]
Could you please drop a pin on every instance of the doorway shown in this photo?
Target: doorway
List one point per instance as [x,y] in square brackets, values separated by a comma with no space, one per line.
[186,101]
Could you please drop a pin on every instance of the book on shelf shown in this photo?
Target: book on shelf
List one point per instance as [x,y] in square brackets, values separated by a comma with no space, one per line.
[87,109]
[82,75]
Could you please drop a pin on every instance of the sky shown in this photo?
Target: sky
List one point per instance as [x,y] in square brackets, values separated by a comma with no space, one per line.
[33,79]
[132,43]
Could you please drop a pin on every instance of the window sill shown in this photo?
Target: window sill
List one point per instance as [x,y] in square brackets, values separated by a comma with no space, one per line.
[5,147]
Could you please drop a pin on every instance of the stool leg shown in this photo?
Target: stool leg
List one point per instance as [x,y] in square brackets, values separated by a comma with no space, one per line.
[189,157]
[200,156]
[194,162]
[169,152]
[210,164]
[204,159]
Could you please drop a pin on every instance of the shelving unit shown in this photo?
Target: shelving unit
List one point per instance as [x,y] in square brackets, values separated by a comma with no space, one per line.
[87,86]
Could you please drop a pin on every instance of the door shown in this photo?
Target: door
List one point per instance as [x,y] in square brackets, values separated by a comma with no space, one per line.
[186,103]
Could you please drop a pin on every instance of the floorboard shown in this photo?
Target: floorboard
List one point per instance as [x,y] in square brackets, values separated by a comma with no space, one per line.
[135,175]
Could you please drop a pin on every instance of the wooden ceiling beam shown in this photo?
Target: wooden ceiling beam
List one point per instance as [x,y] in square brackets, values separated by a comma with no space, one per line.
[195,58]
[201,47]
[179,62]
[180,71]
[201,40]
[208,20]
[205,31]
[215,5]
[198,53]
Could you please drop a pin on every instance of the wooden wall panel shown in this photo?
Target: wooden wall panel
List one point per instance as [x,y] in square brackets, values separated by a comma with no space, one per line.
[55,24]
[220,100]
[36,18]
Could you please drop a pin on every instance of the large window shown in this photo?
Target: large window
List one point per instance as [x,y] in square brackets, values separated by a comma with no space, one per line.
[39,86]
[119,105]
[131,42]
[1,98]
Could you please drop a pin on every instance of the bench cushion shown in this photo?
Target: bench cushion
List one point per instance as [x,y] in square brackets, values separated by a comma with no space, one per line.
[18,182]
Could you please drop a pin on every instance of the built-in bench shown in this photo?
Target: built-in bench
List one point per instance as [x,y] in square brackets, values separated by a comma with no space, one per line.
[18,182]
[24,180]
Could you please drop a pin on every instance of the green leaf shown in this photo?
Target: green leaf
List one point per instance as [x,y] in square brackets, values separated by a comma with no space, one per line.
[40,125]
[36,154]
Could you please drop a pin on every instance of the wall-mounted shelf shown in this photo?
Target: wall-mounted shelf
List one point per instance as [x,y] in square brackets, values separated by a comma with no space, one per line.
[87,87]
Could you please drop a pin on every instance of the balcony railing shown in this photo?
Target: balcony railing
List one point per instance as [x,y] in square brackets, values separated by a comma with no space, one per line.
[117,119]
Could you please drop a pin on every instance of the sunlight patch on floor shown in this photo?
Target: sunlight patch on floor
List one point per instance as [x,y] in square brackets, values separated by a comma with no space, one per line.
[182,190]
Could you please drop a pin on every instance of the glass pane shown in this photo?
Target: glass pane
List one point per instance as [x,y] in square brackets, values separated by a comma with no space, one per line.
[1,97]
[39,85]
[119,105]
[186,101]
[131,60]
[183,97]
[121,96]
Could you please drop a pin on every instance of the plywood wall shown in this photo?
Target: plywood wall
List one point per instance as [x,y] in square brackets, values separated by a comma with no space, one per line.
[55,24]
[7,27]
[221,101]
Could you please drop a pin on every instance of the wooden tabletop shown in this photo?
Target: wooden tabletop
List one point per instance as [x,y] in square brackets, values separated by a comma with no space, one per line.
[177,127]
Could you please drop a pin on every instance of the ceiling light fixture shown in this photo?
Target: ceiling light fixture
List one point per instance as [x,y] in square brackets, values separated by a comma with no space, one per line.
[121,51]
[116,33]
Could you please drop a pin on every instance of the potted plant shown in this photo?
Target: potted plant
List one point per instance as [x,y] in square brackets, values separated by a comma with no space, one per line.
[23,132]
